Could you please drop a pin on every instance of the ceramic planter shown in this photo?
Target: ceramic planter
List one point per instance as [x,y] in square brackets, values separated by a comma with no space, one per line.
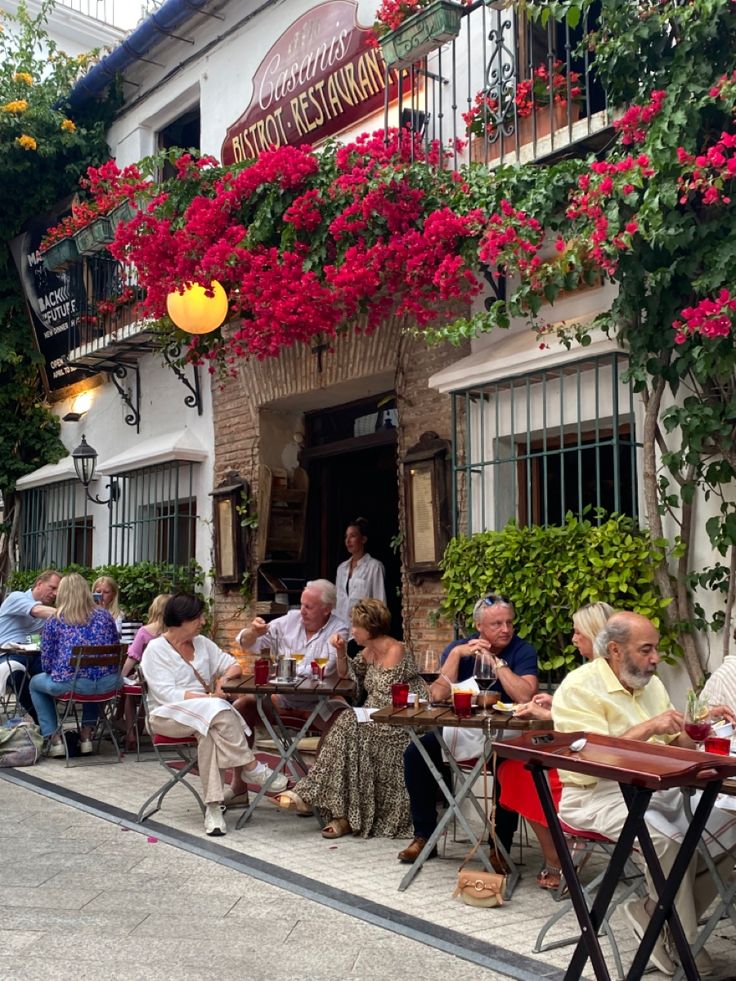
[94,237]
[421,33]
[125,211]
[60,255]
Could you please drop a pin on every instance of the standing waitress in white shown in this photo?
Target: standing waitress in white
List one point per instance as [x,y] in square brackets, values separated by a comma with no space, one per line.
[361,576]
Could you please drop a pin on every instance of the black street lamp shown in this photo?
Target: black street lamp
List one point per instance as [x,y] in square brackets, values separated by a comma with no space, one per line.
[85,463]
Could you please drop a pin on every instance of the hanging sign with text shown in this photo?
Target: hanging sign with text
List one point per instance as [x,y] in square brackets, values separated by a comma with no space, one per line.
[52,306]
[320,77]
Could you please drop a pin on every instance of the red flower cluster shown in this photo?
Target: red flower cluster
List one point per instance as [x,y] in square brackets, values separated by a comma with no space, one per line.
[709,318]
[634,123]
[512,239]
[308,242]
[706,174]
[541,89]
[392,14]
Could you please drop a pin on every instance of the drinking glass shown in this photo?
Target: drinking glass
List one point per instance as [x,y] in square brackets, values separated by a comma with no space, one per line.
[321,663]
[485,674]
[429,666]
[297,656]
[697,718]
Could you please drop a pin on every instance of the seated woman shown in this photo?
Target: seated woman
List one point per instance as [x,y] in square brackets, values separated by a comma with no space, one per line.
[152,628]
[106,593]
[77,621]
[358,777]
[518,792]
[184,673]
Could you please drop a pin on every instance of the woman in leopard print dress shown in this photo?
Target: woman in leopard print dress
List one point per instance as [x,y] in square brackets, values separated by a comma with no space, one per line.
[357,780]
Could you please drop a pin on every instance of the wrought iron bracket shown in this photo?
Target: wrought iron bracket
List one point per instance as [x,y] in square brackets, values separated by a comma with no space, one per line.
[117,376]
[172,355]
[497,284]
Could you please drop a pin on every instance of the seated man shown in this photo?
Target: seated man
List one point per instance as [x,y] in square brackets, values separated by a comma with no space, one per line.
[23,613]
[307,630]
[516,674]
[617,694]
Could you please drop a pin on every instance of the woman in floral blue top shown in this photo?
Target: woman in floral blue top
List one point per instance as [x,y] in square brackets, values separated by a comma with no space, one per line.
[77,621]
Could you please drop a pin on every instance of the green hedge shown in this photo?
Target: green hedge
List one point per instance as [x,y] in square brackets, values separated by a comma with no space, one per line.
[548,573]
[138,583]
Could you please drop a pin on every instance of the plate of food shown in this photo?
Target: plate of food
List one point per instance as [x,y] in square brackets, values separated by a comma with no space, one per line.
[509,707]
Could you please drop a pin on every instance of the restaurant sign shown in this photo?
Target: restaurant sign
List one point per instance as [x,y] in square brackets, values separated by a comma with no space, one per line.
[320,77]
[51,303]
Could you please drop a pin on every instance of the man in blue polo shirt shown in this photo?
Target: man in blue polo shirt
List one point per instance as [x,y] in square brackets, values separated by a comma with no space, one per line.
[515,663]
[23,613]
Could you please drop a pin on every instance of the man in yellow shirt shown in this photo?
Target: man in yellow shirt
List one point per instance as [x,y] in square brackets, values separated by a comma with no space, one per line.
[618,694]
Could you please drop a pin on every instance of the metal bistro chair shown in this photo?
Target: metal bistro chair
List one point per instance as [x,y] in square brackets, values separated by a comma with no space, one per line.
[94,656]
[177,755]
[8,693]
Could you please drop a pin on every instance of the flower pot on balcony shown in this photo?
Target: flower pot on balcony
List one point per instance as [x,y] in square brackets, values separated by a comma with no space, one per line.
[94,237]
[538,125]
[60,255]
[125,211]
[421,33]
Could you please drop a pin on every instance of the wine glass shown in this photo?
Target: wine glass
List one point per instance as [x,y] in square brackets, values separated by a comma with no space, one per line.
[297,657]
[485,674]
[697,718]
[321,663]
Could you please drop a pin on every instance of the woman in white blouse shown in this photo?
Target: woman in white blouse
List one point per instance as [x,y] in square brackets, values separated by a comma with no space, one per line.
[361,576]
[184,673]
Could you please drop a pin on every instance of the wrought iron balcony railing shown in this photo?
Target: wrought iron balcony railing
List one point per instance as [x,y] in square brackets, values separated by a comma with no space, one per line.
[506,90]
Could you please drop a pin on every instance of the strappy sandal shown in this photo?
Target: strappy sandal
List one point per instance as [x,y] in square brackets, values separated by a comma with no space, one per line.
[337,828]
[290,801]
[549,877]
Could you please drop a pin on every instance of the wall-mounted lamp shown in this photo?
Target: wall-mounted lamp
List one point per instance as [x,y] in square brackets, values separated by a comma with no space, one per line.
[79,407]
[193,311]
[85,463]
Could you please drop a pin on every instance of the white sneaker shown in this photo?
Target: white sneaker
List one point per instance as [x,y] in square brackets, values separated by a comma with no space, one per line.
[85,746]
[638,918]
[261,775]
[214,820]
[55,749]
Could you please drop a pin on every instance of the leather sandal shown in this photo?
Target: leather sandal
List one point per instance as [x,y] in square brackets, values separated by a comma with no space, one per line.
[290,801]
[337,828]
[549,877]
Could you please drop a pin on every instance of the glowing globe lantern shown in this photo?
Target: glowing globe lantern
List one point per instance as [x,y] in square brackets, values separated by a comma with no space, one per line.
[194,311]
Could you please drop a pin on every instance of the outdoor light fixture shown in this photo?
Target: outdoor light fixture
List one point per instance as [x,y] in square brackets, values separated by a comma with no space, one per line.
[195,312]
[79,407]
[85,463]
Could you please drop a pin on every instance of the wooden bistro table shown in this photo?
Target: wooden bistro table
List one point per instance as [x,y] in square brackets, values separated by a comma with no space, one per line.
[286,740]
[640,769]
[417,721]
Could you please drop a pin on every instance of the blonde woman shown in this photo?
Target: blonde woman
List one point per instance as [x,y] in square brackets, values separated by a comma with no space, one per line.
[518,792]
[76,621]
[106,593]
[153,628]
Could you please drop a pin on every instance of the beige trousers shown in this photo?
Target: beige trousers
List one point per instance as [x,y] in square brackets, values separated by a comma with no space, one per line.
[224,746]
[603,809]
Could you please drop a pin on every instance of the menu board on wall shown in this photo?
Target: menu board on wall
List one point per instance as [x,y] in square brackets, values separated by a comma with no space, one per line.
[318,78]
[52,307]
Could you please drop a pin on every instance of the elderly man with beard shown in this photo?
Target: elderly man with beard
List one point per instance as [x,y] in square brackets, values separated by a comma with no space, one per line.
[618,694]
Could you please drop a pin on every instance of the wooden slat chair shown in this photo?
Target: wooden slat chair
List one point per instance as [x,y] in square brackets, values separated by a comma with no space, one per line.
[177,755]
[94,656]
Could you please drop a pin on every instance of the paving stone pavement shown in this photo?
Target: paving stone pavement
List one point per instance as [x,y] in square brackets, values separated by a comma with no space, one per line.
[294,904]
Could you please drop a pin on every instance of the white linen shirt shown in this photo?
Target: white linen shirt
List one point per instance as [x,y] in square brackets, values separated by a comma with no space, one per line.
[366,582]
[286,635]
[169,676]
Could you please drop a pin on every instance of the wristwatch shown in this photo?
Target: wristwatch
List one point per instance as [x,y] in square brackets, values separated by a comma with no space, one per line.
[500,663]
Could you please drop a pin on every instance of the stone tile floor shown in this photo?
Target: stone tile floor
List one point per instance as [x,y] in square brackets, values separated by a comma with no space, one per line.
[286,863]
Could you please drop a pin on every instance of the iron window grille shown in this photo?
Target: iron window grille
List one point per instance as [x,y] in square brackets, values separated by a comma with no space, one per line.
[52,532]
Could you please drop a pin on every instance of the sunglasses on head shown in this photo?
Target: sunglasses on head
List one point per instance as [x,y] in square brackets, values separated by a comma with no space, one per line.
[492,598]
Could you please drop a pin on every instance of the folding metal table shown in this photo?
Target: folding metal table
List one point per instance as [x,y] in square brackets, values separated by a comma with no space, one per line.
[286,740]
[418,720]
[640,769]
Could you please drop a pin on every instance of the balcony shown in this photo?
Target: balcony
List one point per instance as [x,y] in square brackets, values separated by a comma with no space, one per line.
[123,14]
[529,91]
